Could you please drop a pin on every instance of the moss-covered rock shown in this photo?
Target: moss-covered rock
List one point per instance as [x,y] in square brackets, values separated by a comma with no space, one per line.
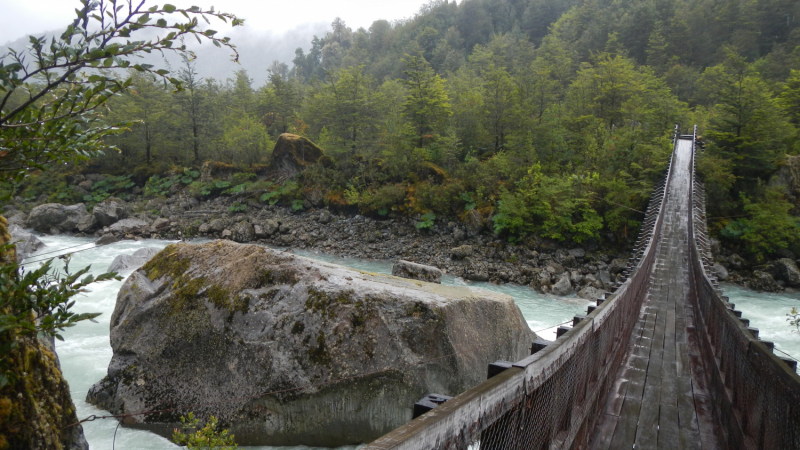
[293,153]
[220,324]
[35,407]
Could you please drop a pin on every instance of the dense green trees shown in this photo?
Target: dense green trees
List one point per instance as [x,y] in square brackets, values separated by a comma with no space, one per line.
[544,117]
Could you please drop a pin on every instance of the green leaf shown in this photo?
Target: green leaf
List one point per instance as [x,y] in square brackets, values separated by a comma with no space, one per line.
[168,8]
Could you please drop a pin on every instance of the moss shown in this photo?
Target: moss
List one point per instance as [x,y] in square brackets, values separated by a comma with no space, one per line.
[319,354]
[278,276]
[36,406]
[321,301]
[185,292]
[219,296]
[165,263]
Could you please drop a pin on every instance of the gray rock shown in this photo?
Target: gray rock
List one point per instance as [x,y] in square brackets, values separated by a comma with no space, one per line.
[474,222]
[217,225]
[55,215]
[617,266]
[130,225]
[787,270]
[577,253]
[203,228]
[258,320]
[160,224]
[286,239]
[106,239]
[44,217]
[721,271]
[270,227]
[737,262]
[28,242]
[563,286]
[87,223]
[716,248]
[461,252]
[459,235]
[762,281]
[591,293]
[226,234]
[604,276]
[110,211]
[554,268]
[244,232]
[324,216]
[414,271]
[129,263]
[17,218]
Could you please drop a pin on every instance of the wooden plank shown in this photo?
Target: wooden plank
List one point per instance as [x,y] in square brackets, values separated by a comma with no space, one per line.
[668,433]
[647,430]
[687,416]
[625,432]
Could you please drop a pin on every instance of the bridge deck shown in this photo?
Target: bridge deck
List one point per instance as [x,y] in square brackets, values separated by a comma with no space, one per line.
[659,400]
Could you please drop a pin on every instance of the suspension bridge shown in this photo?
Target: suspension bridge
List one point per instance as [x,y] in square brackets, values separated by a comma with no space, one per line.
[663,362]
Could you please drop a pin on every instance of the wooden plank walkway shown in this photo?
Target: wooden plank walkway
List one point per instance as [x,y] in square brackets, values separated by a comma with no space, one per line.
[659,400]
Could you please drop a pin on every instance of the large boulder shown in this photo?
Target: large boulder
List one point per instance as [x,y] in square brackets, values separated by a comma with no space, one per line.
[563,286]
[129,225]
[110,211]
[414,271]
[27,243]
[128,263]
[317,354]
[244,232]
[763,281]
[293,153]
[786,269]
[55,215]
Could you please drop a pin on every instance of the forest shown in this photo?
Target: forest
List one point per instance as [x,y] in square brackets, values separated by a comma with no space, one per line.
[549,118]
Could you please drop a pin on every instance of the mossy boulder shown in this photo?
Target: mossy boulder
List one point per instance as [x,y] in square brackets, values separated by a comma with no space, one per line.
[286,350]
[293,153]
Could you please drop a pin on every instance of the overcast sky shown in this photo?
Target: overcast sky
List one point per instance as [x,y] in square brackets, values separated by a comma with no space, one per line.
[19,18]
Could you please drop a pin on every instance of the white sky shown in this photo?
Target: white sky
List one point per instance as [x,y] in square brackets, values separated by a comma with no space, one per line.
[19,18]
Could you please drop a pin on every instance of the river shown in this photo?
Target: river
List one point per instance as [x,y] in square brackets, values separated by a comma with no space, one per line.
[86,351]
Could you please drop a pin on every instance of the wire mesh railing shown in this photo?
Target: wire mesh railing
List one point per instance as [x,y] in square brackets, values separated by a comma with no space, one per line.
[553,398]
[756,394]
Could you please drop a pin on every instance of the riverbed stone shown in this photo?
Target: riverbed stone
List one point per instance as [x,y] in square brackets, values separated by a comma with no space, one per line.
[617,265]
[129,225]
[763,281]
[461,252]
[162,223]
[128,263]
[202,324]
[110,211]
[591,293]
[786,270]
[244,232]
[28,243]
[563,286]
[217,225]
[721,271]
[414,271]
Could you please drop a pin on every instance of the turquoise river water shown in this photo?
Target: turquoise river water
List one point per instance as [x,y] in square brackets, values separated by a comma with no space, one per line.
[86,352]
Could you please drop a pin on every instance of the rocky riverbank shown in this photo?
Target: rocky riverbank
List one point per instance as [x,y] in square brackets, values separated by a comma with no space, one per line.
[467,249]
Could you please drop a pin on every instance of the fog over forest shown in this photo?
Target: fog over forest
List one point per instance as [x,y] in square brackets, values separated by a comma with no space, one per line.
[257,51]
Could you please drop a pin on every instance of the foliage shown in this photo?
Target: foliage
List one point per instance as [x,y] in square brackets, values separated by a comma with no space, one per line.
[38,303]
[768,227]
[426,222]
[793,317]
[237,207]
[207,437]
[50,104]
